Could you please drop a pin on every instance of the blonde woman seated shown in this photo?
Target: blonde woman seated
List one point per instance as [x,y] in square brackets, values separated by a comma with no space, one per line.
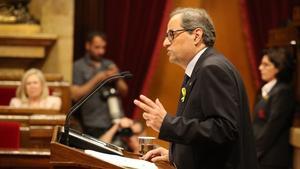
[34,93]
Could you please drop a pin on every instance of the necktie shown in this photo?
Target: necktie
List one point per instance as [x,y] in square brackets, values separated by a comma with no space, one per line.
[183,87]
[185,80]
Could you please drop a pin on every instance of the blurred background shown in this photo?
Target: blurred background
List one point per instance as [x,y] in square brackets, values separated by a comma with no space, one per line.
[50,35]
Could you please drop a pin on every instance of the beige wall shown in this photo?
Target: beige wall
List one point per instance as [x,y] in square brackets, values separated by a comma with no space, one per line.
[57,17]
[230,41]
[230,38]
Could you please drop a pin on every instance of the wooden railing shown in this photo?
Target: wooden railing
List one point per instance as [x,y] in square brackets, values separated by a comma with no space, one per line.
[36,128]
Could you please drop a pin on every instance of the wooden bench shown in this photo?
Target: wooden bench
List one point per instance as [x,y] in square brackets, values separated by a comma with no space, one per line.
[36,124]
[36,128]
[25,158]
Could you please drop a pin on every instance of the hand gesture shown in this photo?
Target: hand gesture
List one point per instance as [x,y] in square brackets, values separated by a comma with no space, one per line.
[154,112]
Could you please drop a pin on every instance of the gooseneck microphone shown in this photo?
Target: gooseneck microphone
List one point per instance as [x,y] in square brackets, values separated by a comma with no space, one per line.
[124,75]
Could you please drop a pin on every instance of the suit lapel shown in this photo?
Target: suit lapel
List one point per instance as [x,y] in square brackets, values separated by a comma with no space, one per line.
[189,86]
[274,89]
[208,52]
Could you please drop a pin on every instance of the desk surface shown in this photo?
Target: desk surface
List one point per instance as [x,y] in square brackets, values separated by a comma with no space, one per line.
[159,164]
[63,156]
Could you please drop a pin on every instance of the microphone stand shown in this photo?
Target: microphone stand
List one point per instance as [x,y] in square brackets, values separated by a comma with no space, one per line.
[125,74]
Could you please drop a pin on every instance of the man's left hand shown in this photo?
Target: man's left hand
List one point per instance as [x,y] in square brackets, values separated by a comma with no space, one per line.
[154,112]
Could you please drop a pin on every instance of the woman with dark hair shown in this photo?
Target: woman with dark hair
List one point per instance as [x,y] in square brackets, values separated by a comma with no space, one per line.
[274,110]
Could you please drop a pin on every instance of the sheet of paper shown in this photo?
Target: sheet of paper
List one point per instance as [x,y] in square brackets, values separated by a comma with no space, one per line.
[122,161]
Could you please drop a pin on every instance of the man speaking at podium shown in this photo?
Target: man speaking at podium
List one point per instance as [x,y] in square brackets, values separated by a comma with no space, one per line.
[212,128]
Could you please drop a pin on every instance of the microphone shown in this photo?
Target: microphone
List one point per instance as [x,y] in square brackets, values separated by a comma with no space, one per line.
[124,75]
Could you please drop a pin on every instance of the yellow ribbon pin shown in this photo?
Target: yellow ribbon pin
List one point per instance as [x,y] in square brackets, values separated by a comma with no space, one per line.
[183,93]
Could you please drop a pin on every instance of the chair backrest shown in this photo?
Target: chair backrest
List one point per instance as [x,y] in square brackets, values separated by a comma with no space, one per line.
[9,134]
[6,95]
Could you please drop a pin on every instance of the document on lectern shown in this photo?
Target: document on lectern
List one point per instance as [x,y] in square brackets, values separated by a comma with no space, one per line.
[123,162]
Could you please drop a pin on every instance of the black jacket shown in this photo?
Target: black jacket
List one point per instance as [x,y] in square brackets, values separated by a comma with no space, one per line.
[272,122]
[212,128]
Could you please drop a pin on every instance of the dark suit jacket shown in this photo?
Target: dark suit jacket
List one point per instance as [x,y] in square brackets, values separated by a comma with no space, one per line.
[212,128]
[273,119]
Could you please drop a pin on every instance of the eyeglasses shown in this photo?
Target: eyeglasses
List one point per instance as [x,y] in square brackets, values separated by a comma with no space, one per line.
[171,33]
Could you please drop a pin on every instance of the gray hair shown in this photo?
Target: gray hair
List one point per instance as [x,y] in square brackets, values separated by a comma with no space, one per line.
[193,18]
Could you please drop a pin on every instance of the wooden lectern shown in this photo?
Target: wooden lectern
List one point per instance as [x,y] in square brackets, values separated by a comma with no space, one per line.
[63,156]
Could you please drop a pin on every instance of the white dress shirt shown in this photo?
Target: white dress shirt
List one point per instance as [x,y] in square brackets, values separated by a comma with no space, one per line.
[190,67]
[267,88]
